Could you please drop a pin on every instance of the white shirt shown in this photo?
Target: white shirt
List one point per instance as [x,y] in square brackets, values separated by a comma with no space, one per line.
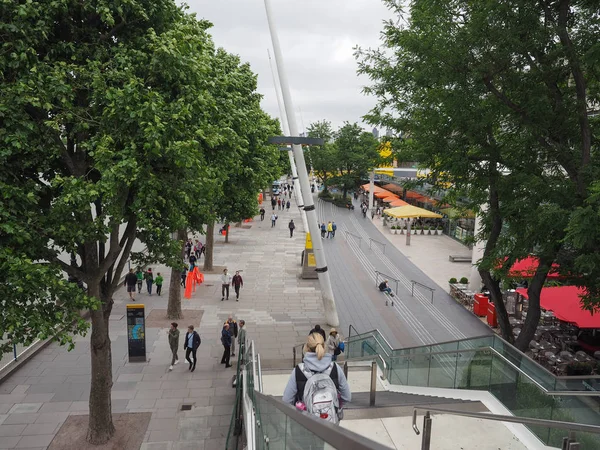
[226,278]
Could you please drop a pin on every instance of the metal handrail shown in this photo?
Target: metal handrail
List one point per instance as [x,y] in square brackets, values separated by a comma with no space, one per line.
[333,435]
[377,272]
[354,235]
[379,242]
[371,358]
[412,290]
[570,426]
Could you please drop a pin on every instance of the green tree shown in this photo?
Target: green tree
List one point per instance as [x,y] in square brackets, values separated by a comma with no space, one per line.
[495,97]
[106,118]
[323,157]
[356,154]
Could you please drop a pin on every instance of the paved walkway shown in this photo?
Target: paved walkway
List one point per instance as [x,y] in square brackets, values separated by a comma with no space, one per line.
[279,310]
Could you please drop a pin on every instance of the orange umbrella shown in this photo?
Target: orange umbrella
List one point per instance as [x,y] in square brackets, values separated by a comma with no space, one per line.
[382,194]
[398,202]
[375,189]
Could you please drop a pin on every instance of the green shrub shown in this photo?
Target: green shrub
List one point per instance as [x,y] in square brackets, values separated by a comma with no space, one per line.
[452,280]
[325,195]
[464,280]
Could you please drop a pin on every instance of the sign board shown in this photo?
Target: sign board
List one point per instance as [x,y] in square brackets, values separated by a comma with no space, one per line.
[311,260]
[308,245]
[136,333]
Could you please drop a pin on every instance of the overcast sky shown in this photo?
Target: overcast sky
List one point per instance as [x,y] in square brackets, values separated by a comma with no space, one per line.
[317,38]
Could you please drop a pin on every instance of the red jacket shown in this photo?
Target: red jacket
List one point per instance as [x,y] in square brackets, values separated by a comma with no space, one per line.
[237,280]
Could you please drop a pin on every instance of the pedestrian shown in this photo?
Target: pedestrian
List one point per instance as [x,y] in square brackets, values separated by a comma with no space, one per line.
[233,331]
[273,203]
[198,249]
[318,329]
[174,344]
[130,281]
[302,389]
[183,275]
[241,337]
[333,228]
[323,230]
[292,227]
[332,344]
[140,278]
[237,284]
[262,214]
[188,248]
[385,287]
[329,229]
[226,341]
[191,344]
[149,277]
[225,282]
[278,203]
[192,259]
[287,205]
[159,282]
[273,220]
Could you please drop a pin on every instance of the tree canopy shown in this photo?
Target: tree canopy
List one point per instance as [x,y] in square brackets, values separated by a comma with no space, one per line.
[498,99]
[116,121]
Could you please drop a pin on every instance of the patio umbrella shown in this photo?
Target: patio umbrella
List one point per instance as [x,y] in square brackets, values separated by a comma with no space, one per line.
[410,211]
[398,202]
[382,193]
[390,198]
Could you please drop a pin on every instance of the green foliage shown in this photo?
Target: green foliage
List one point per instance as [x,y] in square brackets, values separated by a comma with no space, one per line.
[452,280]
[464,280]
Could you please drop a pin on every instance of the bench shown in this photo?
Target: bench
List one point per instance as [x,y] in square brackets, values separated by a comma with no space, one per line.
[459,258]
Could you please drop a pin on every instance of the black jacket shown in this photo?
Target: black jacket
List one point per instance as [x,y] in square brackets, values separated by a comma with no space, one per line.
[321,332]
[196,342]
[226,337]
[130,279]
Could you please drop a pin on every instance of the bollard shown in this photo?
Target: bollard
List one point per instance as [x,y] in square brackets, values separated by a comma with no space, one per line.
[373,383]
[426,441]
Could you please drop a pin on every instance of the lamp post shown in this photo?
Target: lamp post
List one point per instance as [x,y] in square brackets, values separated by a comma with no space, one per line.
[309,207]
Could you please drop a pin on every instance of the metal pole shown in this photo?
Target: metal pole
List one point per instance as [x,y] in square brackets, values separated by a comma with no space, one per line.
[426,442]
[15,351]
[373,383]
[331,315]
[371,189]
[412,289]
[286,131]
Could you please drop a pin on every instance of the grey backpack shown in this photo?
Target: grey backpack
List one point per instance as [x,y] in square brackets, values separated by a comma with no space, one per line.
[319,392]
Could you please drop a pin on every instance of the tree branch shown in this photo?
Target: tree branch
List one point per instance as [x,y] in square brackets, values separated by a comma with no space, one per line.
[73,271]
[124,255]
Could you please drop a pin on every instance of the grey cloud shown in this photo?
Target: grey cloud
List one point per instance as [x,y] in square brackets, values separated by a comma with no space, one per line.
[317,38]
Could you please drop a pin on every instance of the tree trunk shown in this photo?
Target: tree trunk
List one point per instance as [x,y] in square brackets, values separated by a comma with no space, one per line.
[100,427]
[174,305]
[226,232]
[345,192]
[210,239]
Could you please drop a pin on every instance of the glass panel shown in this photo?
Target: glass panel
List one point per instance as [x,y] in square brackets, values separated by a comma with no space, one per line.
[418,372]
[474,343]
[399,370]
[442,370]
[474,369]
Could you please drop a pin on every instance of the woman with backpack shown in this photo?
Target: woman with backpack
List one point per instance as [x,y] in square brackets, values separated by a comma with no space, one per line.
[318,384]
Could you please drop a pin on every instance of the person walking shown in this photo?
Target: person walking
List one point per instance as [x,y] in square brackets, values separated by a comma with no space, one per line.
[323,230]
[174,344]
[225,282]
[198,249]
[279,204]
[329,230]
[332,344]
[262,214]
[292,227]
[273,220]
[140,279]
[318,329]
[241,337]
[333,228]
[188,248]
[130,282]
[237,284]
[192,259]
[159,282]
[233,331]
[226,341]
[288,204]
[316,363]
[273,203]
[149,277]
[191,344]
[183,275]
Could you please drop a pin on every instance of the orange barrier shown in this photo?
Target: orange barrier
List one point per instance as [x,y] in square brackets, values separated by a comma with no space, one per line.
[194,277]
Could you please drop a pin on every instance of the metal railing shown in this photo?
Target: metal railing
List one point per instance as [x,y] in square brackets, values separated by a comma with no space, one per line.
[412,289]
[356,236]
[309,426]
[16,354]
[379,242]
[569,442]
